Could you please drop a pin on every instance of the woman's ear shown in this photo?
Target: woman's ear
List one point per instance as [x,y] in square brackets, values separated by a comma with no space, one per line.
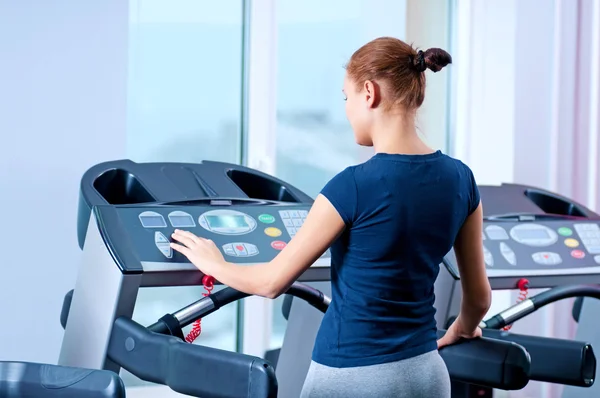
[371,92]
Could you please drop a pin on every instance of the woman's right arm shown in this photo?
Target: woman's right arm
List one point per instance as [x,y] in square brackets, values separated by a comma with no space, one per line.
[477,293]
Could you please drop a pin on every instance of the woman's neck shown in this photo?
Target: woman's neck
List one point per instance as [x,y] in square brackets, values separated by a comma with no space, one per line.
[398,135]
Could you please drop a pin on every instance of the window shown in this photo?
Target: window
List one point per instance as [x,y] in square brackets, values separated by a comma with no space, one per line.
[185,80]
[184,100]
[315,40]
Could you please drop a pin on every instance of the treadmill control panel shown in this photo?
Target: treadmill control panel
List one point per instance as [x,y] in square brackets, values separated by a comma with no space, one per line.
[244,234]
[538,248]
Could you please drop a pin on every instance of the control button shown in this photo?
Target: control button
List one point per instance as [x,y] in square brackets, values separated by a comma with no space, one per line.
[228,249]
[496,232]
[590,236]
[240,250]
[298,222]
[151,219]
[547,258]
[564,231]
[487,257]
[508,254]
[284,214]
[570,242]
[294,214]
[266,218]
[278,245]
[597,258]
[162,244]
[181,219]
[578,254]
[587,227]
[252,250]
[272,231]
[160,238]
[288,222]
[303,213]
[540,258]
[593,249]
[292,231]
[167,251]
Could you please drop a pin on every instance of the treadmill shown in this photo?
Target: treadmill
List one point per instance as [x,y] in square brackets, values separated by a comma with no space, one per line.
[128,210]
[537,238]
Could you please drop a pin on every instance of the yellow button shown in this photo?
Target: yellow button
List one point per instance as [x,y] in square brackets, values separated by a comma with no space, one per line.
[571,242]
[272,231]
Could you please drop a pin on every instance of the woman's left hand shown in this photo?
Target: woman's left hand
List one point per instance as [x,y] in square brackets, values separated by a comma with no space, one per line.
[203,253]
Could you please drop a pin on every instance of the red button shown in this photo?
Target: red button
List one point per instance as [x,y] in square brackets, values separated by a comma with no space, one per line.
[578,254]
[278,245]
[240,247]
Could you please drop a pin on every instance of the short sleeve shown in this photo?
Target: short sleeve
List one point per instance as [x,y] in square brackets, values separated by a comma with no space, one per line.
[341,192]
[474,192]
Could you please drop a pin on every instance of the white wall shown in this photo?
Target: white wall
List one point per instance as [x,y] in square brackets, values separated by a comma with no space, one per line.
[63,73]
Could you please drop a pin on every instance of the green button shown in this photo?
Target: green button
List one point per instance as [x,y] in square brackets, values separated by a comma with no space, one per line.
[266,218]
[564,231]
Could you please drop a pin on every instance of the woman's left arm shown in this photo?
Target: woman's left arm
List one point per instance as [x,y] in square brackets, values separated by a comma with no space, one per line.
[322,226]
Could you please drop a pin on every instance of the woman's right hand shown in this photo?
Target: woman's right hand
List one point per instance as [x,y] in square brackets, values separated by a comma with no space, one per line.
[456,332]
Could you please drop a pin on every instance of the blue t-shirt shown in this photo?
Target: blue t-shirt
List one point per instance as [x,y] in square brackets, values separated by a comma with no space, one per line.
[402,215]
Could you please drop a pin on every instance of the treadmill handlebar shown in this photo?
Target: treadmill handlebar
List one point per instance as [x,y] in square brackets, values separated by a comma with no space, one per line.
[526,307]
[484,361]
[189,368]
[487,362]
[509,315]
[209,304]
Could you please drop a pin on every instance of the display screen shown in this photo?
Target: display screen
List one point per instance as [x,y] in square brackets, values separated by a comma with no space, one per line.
[153,221]
[532,234]
[182,221]
[227,221]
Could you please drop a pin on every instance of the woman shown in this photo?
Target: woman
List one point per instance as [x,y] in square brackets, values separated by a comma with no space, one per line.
[389,221]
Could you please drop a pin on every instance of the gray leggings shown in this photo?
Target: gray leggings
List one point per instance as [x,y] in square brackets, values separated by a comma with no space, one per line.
[423,376]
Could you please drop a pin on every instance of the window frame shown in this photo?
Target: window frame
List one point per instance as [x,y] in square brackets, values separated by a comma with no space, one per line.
[259,134]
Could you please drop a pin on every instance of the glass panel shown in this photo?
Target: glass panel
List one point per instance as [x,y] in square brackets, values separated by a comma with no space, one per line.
[185,80]
[315,41]
[185,87]
[314,139]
